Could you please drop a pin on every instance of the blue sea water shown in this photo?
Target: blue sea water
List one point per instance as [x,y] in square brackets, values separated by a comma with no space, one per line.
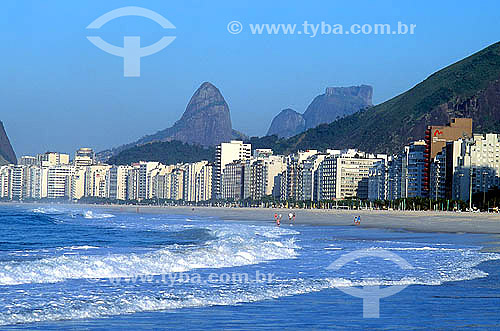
[68,267]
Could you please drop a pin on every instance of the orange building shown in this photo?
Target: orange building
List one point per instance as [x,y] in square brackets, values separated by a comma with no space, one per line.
[436,137]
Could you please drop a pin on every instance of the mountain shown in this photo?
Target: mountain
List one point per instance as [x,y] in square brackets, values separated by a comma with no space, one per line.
[335,103]
[287,123]
[468,88]
[7,154]
[206,122]
[169,152]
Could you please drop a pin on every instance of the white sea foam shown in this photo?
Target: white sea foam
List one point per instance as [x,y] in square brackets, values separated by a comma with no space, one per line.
[233,245]
[229,249]
[70,307]
[96,305]
[89,214]
[47,210]
[83,247]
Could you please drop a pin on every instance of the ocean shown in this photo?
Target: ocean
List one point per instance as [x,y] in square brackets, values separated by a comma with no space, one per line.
[74,267]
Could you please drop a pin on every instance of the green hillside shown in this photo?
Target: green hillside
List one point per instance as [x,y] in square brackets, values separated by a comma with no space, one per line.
[170,152]
[387,127]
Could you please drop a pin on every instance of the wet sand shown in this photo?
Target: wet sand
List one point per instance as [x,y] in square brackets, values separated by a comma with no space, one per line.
[416,221]
[423,221]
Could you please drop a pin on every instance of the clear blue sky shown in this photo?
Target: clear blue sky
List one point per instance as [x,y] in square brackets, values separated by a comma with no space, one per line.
[60,92]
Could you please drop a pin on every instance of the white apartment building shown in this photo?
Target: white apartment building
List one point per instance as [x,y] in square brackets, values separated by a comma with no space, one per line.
[5,181]
[274,166]
[34,182]
[479,158]
[262,175]
[18,181]
[95,181]
[161,181]
[346,174]
[27,161]
[117,177]
[309,177]
[84,157]
[196,176]
[204,182]
[378,181]
[226,153]
[145,181]
[233,180]
[78,182]
[177,184]
[352,177]
[58,181]
[51,159]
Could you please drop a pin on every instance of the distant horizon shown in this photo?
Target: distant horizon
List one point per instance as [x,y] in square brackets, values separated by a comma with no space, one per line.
[62,93]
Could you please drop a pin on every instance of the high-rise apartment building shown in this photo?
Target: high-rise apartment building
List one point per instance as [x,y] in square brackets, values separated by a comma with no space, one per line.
[84,157]
[226,153]
[436,137]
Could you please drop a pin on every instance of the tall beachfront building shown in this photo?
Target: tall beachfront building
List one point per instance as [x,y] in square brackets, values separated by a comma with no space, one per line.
[436,137]
[51,159]
[84,157]
[227,153]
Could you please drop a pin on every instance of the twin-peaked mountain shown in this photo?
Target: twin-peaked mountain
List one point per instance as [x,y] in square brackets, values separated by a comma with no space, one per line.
[205,122]
[468,88]
[7,154]
[335,103]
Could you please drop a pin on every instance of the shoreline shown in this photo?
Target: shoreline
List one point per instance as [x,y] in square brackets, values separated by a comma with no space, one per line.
[414,221]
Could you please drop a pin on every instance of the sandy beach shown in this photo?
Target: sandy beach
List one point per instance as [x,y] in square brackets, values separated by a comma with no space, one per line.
[416,221]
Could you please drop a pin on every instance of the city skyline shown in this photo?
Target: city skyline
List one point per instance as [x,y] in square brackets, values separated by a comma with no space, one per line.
[451,164]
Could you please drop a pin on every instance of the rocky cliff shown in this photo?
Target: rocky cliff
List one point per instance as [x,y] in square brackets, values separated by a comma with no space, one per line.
[206,120]
[468,88]
[336,103]
[7,154]
[287,123]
